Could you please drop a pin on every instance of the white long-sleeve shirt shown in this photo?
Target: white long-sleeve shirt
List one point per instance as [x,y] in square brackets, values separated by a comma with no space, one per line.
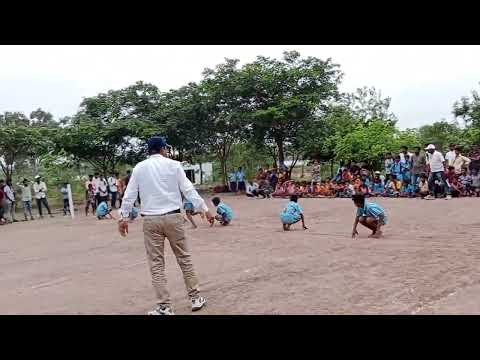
[40,190]
[160,182]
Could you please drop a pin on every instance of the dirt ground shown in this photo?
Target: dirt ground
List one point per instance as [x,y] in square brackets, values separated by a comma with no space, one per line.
[428,263]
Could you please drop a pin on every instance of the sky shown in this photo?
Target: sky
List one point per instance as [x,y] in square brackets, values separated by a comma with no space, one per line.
[423,81]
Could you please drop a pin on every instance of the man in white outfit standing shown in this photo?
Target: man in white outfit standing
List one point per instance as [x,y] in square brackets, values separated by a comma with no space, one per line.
[160,182]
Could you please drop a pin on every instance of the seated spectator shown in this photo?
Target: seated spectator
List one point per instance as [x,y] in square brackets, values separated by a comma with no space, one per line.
[407,189]
[466,182]
[422,188]
[266,188]
[377,186]
[346,175]
[475,182]
[455,186]
[392,187]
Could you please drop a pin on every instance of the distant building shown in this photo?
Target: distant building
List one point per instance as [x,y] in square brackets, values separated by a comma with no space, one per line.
[193,172]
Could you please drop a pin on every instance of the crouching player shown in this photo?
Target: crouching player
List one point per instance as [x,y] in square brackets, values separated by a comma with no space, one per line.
[225,213]
[292,214]
[370,215]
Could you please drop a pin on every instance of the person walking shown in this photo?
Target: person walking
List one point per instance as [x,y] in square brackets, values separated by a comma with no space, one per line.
[40,190]
[436,162]
[161,182]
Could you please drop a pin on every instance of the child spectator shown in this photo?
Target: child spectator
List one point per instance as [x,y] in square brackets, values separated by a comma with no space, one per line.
[292,214]
[406,168]
[377,186]
[370,215]
[391,187]
[422,187]
[266,188]
[396,169]
[225,213]
[90,199]
[346,175]
[66,204]
[388,164]
[103,211]
[407,189]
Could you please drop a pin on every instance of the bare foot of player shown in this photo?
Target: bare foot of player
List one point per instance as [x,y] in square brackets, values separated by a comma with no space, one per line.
[377,235]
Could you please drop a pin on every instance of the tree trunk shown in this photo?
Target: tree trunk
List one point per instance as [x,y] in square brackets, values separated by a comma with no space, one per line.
[201,173]
[281,154]
[303,169]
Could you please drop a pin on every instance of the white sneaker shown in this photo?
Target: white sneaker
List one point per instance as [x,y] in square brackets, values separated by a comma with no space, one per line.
[161,311]
[198,303]
[429,197]
[448,197]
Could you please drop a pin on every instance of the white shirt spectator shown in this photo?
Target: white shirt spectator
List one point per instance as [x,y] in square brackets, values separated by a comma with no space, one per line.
[96,181]
[450,157]
[102,187]
[112,183]
[160,181]
[402,156]
[10,196]
[40,190]
[436,161]
[26,192]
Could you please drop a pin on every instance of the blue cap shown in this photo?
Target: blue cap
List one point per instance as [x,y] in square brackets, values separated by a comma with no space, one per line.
[157,142]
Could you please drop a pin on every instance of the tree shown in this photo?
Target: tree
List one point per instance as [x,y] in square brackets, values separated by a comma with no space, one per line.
[440,134]
[367,142]
[20,141]
[284,94]
[225,110]
[40,117]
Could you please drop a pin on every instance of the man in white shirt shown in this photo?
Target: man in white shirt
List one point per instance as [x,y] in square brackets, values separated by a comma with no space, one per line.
[40,190]
[160,182]
[450,155]
[102,190]
[436,161]
[96,180]
[112,187]
[460,161]
[9,201]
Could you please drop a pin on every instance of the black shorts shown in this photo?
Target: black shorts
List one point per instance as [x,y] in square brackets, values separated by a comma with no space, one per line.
[233,186]
[241,186]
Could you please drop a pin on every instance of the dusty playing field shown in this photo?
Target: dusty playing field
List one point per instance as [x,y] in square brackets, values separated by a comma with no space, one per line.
[429,262]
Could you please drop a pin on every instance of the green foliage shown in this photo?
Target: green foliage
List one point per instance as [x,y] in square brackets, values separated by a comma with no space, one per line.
[440,134]
[367,142]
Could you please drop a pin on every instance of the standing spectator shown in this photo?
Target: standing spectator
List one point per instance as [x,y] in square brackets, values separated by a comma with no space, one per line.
[96,182]
[66,204]
[419,166]
[232,180]
[161,183]
[10,201]
[120,190]
[273,179]
[403,152]
[88,183]
[126,179]
[240,175]
[26,199]
[388,162]
[113,188]
[40,190]
[102,190]
[437,172]
[450,155]
[460,161]
[2,202]
[316,172]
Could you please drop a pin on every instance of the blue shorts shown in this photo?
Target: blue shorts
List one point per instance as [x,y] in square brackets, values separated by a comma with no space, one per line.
[289,219]
[188,206]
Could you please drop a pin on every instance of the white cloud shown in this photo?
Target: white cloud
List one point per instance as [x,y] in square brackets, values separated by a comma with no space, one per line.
[423,81]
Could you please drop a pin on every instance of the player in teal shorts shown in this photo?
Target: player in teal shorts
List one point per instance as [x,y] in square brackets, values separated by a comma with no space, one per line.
[225,213]
[370,215]
[292,214]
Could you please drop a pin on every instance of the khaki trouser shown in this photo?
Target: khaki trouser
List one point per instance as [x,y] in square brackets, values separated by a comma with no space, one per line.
[155,229]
